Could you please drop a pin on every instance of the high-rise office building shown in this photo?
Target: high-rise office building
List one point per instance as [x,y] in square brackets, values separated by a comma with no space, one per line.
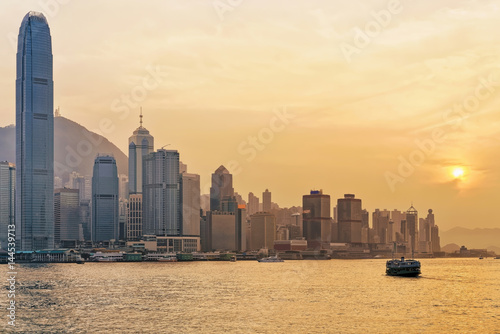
[253,204]
[123,190]
[7,199]
[223,233]
[435,239]
[86,218]
[266,201]
[396,217]
[263,230]
[381,219]
[316,220]
[66,215]
[229,204]
[134,217]
[140,144]
[349,215]
[34,135]
[105,199]
[412,227]
[190,188]
[222,185]
[162,209]
[241,227]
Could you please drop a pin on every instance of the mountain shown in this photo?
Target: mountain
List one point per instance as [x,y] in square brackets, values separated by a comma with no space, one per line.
[472,238]
[450,248]
[75,148]
[494,249]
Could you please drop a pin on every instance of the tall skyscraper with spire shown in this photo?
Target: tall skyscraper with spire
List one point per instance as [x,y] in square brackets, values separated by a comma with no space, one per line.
[140,144]
[34,135]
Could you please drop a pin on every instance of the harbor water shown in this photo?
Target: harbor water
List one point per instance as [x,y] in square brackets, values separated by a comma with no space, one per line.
[310,296]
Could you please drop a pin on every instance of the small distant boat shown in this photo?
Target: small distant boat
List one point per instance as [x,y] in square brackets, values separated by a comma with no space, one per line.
[271,259]
[106,259]
[406,268]
[167,259]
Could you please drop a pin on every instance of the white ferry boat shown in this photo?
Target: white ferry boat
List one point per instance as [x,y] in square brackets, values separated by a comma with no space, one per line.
[407,268]
[271,259]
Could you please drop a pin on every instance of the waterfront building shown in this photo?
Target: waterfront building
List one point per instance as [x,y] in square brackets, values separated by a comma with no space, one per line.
[316,220]
[105,199]
[7,199]
[349,215]
[162,210]
[223,230]
[67,223]
[190,195]
[166,244]
[241,227]
[34,135]
[263,230]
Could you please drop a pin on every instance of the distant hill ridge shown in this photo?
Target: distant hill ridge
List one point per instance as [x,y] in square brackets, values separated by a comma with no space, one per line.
[75,148]
[472,238]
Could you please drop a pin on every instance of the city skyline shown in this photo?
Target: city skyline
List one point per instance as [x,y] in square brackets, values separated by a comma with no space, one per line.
[347,131]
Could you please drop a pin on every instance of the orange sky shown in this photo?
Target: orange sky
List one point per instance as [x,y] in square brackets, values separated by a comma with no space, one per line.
[365,85]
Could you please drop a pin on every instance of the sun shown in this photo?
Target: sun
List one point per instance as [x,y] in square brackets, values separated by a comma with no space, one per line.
[458,172]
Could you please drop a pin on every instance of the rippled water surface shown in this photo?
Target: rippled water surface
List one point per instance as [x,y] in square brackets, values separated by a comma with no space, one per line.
[336,296]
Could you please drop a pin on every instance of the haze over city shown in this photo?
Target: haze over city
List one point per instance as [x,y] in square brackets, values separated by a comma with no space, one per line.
[343,108]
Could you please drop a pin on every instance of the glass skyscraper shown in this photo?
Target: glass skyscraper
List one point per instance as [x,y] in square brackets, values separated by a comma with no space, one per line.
[34,135]
[7,203]
[104,199]
[162,209]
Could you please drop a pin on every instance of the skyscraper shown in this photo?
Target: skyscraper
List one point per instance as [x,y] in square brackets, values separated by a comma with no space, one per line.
[266,201]
[253,204]
[349,215]
[7,199]
[263,230]
[316,218]
[222,185]
[104,199]
[140,144]
[66,215]
[134,217]
[162,210]
[34,135]
[412,227]
[190,187]
[381,219]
